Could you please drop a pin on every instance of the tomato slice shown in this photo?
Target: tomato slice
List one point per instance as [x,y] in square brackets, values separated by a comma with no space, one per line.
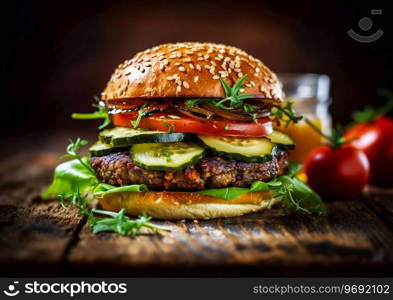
[177,122]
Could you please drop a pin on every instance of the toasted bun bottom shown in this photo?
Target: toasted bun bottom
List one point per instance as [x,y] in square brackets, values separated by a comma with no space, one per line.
[185,205]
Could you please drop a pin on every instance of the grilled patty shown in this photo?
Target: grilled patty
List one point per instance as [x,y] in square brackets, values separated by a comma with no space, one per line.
[210,172]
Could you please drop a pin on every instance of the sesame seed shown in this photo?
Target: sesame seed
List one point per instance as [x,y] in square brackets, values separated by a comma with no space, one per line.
[221,51]
[240,74]
[191,66]
[216,77]
[196,78]
[187,59]
[242,90]
[207,67]
[170,78]
[182,69]
[257,70]
[206,56]
[198,67]
[186,85]
[178,89]
[172,56]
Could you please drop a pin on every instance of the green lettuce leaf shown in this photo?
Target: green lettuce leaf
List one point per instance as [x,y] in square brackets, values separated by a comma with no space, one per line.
[68,176]
[234,192]
[104,188]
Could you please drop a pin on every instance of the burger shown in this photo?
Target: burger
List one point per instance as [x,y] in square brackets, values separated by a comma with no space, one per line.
[192,134]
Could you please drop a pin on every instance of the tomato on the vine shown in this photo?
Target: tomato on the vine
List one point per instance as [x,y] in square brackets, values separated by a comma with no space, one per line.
[337,173]
[375,139]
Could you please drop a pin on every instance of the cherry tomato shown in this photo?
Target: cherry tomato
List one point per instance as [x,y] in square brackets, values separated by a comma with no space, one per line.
[337,173]
[177,122]
[375,139]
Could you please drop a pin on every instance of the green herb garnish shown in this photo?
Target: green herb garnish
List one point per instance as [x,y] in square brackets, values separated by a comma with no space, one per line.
[192,102]
[141,114]
[72,152]
[285,113]
[101,113]
[117,222]
[293,193]
[369,114]
[170,127]
[233,97]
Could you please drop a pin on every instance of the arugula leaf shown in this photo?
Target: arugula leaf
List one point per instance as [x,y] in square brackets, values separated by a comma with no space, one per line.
[71,176]
[141,114]
[297,195]
[101,113]
[293,193]
[293,168]
[230,193]
[104,188]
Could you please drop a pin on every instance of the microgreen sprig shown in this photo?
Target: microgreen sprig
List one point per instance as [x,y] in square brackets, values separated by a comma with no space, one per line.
[101,113]
[233,97]
[117,222]
[285,113]
[72,152]
[141,113]
[294,194]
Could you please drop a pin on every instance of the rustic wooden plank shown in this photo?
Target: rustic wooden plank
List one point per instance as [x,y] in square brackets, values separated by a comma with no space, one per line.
[34,234]
[381,201]
[350,234]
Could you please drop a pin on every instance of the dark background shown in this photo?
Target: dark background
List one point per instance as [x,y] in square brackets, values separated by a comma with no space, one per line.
[59,54]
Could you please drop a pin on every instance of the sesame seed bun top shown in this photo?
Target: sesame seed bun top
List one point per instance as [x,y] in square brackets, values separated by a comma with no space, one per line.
[190,69]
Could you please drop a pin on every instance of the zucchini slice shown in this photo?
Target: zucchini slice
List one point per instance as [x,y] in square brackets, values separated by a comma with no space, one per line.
[166,156]
[241,149]
[123,136]
[101,149]
[282,139]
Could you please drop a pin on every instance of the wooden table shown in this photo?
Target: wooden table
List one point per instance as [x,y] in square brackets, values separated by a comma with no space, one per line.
[40,238]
